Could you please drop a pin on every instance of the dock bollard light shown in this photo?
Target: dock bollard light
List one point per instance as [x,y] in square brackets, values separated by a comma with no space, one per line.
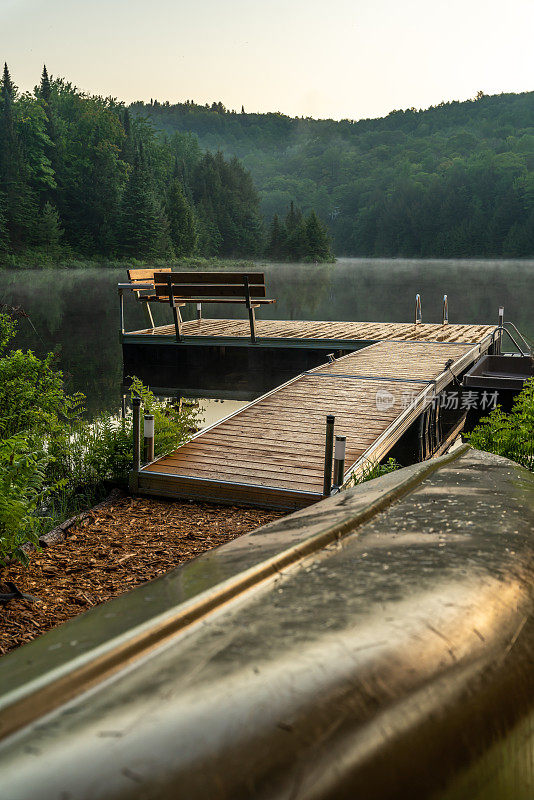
[418,312]
[339,460]
[329,446]
[501,326]
[445,318]
[136,403]
[148,422]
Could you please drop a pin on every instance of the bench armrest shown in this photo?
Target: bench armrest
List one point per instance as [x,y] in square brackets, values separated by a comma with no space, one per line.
[136,287]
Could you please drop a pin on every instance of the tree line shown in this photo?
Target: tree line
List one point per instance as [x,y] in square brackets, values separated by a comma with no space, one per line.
[456,179]
[81,175]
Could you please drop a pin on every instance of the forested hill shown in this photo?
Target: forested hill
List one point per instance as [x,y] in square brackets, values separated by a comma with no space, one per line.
[454,180]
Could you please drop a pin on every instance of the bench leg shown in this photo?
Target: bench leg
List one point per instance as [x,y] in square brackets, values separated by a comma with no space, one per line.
[148,315]
[199,311]
[252,318]
[250,307]
[177,323]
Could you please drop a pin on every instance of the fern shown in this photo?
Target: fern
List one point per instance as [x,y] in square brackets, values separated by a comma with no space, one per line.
[510,435]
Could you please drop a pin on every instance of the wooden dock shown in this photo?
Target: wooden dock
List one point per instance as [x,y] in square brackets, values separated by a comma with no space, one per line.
[271,453]
[306,332]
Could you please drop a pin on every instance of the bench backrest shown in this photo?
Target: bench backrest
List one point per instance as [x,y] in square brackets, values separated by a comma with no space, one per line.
[213,285]
[144,275]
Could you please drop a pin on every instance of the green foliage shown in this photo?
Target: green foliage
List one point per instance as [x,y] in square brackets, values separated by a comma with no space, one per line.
[453,180]
[173,425]
[228,207]
[510,435]
[22,478]
[182,224]
[49,453]
[49,229]
[143,228]
[79,175]
[373,469]
[32,396]
[299,239]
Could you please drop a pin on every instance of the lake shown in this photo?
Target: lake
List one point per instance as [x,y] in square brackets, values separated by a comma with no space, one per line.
[75,313]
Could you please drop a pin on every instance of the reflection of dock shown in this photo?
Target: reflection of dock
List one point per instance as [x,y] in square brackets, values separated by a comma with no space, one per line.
[272,452]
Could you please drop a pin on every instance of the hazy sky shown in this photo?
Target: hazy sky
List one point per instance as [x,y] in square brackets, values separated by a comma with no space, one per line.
[323,58]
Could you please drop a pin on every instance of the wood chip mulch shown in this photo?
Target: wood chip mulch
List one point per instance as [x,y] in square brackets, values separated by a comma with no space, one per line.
[115,548]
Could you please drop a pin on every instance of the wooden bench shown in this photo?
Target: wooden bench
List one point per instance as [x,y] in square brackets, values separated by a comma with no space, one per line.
[178,288]
[145,278]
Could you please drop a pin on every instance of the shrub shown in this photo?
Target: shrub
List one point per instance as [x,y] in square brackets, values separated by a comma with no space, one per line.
[510,435]
[22,478]
[53,460]
[32,396]
[374,469]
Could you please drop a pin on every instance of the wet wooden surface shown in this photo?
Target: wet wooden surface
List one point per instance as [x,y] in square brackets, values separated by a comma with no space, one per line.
[272,451]
[310,329]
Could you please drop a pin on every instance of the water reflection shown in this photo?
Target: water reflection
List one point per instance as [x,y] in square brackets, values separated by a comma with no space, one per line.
[75,313]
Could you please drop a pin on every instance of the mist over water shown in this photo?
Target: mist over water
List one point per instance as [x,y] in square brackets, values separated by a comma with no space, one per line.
[75,312]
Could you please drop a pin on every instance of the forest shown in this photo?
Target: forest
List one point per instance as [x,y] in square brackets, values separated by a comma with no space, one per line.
[85,176]
[82,177]
[454,180]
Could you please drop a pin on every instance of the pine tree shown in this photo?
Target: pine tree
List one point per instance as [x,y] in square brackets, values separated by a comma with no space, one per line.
[318,245]
[296,247]
[19,202]
[128,147]
[4,233]
[143,225]
[293,218]
[182,225]
[45,90]
[277,239]
[50,148]
[49,230]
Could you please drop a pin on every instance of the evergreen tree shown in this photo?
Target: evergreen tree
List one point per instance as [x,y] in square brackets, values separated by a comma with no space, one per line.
[318,246]
[4,233]
[277,239]
[19,202]
[293,218]
[49,229]
[182,225]
[45,90]
[209,236]
[128,147]
[296,246]
[143,226]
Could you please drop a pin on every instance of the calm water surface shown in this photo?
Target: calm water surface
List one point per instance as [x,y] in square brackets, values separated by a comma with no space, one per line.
[75,313]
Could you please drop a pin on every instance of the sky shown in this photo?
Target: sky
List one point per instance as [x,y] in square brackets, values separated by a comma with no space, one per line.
[322,58]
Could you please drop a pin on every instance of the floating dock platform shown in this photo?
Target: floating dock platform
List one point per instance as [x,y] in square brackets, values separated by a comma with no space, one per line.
[272,452]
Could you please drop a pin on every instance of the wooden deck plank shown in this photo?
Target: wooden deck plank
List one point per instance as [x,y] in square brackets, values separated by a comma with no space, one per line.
[317,330]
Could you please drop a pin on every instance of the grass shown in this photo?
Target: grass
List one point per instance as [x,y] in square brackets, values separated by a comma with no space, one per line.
[39,259]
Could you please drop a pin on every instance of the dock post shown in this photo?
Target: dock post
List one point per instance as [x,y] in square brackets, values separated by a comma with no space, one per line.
[498,341]
[339,460]
[418,312]
[136,403]
[121,312]
[328,451]
[445,319]
[148,431]
[133,478]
